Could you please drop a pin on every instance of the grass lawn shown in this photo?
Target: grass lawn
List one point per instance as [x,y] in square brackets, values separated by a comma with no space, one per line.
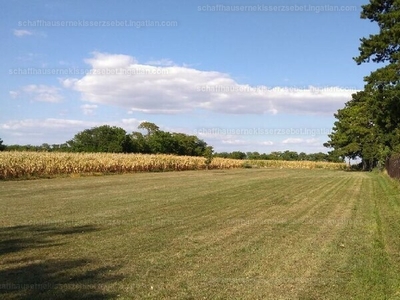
[235,234]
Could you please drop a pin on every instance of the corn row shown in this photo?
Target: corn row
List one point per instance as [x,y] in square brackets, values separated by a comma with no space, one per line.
[41,164]
[297,164]
[44,164]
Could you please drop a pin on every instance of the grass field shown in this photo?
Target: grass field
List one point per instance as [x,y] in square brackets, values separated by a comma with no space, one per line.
[218,234]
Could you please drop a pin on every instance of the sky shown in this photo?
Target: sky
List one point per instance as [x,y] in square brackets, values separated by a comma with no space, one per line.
[241,75]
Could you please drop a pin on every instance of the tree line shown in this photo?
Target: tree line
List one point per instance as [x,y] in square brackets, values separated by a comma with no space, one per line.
[281,155]
[151,140]
[114,139]
[368,126]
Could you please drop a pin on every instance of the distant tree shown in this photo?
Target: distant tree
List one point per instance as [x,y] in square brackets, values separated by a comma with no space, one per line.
[188,144]
[264,156]
[151,128]
[2,147]
[237,155]
[102,139]
[253,155]
[158,141]
[289,155]
[23,148]
[45,147]
[302,156]
[275,155]
[139,143]
[162,142]
[222,154]
[60,147]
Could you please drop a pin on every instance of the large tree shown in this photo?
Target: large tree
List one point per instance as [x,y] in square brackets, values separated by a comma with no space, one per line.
[384,47]
[102,139]
[158,141]
[355,134]
[368,126]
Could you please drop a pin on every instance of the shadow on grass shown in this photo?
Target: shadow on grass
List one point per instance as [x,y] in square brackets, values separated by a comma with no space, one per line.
[39,277]
[18,238]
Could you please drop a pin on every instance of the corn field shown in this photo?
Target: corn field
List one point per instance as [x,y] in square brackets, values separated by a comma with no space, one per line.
[15,165]
[296,164]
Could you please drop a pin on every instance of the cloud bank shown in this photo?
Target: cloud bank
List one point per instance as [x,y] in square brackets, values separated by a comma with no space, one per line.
[164,88]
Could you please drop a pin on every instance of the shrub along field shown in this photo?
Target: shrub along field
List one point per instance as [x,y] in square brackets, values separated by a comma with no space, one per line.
[217,234]
[49,164]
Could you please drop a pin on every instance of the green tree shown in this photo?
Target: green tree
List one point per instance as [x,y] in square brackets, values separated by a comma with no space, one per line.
[290,155]
[102,139]
[368,126]
[222,154]
[158,141]
[188,144]
[384,47]
[302,156]
[139,143]
[237,155]
[151,128]
[2,147]
[162,142]
[355,134]
[253,155]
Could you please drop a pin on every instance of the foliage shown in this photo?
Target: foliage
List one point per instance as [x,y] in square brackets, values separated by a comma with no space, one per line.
[286,156]
[368,126]
[208,155]
[101,139]
[2,147]
[156,141]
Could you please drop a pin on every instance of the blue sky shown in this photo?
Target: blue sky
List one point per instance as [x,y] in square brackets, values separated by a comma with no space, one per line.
[251,76]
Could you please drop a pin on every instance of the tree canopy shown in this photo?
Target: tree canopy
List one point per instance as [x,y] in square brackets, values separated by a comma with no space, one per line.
[2,147]
[158,141]
[368,125]
[115,139]
[101,139]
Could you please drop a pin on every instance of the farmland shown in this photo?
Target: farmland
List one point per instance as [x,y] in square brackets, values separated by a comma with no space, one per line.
[217,234]
[17,165]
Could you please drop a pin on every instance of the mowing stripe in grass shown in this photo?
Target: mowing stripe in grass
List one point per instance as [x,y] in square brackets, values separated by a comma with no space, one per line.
[244,234]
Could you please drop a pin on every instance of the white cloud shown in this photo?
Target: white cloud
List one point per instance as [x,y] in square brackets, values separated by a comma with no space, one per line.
[121,81]
[57,124]
[104,60]
[129,125]
[14,94]
[88,109]
[41,92]
[52,130]
[50,123]
[22,32]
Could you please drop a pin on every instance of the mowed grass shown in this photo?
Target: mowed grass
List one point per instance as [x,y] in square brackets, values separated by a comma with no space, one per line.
[233,234]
